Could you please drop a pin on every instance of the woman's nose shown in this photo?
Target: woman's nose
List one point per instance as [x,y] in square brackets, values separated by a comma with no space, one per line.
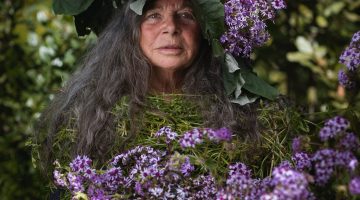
[171,26]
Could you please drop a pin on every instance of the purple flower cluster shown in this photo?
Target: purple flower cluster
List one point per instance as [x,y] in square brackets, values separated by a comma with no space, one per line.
[142,172]
[302,161]
[349,142]
[192,137]
[245,20]
[297,144]
[147,173]
[288,183]
[351,59]
[240,184]
[197,136]
[326,160]
[334,127]
[344,80]
[169,134]
[354,186]
[351,56]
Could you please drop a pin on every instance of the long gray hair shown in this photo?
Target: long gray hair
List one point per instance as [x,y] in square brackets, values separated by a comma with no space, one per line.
[116,67]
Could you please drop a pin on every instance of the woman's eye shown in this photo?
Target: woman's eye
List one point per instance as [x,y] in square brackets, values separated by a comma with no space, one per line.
[153,16]
[186,15]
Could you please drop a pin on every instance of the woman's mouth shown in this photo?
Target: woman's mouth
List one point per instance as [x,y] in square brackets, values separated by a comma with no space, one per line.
[170,49]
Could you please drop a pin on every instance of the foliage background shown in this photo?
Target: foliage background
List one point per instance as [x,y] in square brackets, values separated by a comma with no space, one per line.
[38,50]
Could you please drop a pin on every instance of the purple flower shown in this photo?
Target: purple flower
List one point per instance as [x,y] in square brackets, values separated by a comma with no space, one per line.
[166,130]
[113,178]
[344,80]
[222,134]
[96,193]
[278,4]
[156,191]
[326,160]
[191,138]
[80,164]
[302,161]
[206,187]
[75,183]
[351,56]
[296,144]
[354,186]
[334,127]
[245,20]
[59,179]
[187,167]
[289,184]
[239,183]
[349,142]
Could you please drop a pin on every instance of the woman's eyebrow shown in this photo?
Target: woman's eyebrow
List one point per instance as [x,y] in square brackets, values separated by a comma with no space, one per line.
[185,5]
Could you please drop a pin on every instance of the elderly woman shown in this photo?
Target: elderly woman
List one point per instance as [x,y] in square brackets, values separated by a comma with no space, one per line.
[157,53]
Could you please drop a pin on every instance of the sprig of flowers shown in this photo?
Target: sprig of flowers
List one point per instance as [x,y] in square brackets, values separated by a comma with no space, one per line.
[246,27]
[351,59]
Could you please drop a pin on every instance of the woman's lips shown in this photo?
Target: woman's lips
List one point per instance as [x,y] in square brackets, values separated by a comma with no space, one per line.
[170,49]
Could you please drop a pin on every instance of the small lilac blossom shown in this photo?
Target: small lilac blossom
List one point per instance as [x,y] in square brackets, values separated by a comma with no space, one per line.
[162,131]
[96,194]
[302,161]
[345,81]
[278,4]
[289,184]
[349,142]
[138,188]
[296,145]
[351,57]
[167,131]
[187,167]
[80,164]
[334,127]
[354,186]
[239,182]
[207,186]
[225,195]
[113,178]
[222,134]
[191,138]
[156,191]
[75,183]
[59,179]
[353,164]
[326,160]
[346,159]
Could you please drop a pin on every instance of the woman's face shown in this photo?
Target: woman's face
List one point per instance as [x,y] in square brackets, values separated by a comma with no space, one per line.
[170,34]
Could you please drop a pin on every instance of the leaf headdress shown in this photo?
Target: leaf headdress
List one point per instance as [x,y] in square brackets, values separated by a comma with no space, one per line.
[241,84]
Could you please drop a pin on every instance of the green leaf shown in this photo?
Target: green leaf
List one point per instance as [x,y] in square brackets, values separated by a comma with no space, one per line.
[138,6]
[258,86]
[211,17]
[217,48]
[70,7]
[244,99]
[230,78]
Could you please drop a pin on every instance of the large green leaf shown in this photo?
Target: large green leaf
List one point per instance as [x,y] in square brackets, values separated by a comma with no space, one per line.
[211,16]
[138,6]
[71,7]
[256,85]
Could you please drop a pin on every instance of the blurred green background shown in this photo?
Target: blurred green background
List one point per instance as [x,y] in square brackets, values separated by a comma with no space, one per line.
[38,50]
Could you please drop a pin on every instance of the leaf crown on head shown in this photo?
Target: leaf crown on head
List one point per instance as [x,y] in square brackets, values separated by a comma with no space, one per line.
[224,25]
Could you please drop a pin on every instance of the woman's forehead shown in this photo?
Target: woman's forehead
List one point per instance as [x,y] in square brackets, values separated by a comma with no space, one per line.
[163,4]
